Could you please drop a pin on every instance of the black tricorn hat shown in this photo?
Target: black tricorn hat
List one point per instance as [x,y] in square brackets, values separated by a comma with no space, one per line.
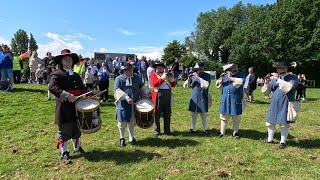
[126,66]
[158,64]
[64,53]
[282,64]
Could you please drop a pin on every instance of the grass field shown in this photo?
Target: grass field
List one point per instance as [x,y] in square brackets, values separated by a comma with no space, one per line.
[28,140]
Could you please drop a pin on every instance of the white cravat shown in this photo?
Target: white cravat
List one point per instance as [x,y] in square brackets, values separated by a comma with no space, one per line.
[69,71]
[128,81]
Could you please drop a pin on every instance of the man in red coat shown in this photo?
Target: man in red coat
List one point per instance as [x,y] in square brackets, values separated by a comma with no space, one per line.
[161,96]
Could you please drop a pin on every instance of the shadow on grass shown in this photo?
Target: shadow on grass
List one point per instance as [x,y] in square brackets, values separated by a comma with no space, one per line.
[198,133]
[170,143]
[256,135]
[259,102]
[28,90]
[312,99]
[119,157]
[306,143]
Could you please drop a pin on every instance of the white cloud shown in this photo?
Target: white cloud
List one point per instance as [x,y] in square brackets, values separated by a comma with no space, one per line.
[57,43]
[4,41]
[178,33]
[151,52]
[102,50]
[126,32]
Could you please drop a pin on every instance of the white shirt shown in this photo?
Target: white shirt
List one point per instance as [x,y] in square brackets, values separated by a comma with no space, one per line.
[94,69]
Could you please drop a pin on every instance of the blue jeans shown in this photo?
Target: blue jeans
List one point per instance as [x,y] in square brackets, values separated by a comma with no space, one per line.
[7,74]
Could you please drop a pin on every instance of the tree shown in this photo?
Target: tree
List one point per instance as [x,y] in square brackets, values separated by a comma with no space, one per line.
[19,42]
[173,51]
[32,43]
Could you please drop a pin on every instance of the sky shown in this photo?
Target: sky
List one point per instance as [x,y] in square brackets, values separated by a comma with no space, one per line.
[142,27]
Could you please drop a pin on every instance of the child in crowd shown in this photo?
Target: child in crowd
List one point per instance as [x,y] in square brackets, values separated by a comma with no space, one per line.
[39,74]
[88,78]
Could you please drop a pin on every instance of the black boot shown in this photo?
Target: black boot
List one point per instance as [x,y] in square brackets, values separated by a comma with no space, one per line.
[65,158]
[122,142]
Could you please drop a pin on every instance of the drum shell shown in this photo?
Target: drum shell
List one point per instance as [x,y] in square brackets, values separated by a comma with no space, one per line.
[144,119]
[89,120]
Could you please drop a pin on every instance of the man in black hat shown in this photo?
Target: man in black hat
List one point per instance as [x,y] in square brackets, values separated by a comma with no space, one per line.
[283,86]
[66,86]
[199,101]
[161,96]
[128,88]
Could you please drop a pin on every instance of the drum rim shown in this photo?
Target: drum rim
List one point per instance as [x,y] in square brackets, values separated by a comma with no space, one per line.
[144,99]
[87,110]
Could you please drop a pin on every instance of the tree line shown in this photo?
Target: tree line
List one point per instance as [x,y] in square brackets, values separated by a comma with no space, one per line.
[255,35]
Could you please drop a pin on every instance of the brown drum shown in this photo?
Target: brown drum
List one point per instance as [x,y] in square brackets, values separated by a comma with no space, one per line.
[144,113]
[88,113]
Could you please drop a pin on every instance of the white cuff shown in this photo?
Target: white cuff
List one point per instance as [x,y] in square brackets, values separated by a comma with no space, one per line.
[284,86]
[120,95]
[237,82]
[186,83]
[218,85]
[64,95]
[204,84]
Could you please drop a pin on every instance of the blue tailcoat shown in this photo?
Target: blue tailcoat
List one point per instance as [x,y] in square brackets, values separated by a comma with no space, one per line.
[278,109]
[199,96]
[124,110]
[231,99]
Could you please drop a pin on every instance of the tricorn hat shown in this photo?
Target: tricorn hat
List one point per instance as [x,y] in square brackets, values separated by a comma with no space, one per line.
[126,66]
[158,64]
[198,65]
[64,53]
[227,66]
[282,64]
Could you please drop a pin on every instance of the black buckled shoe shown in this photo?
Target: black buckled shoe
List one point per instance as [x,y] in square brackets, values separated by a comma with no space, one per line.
[80,151]
[168,133]
[134,141]
[220,135]
[282,145]
[206,132]
[65,158]
[191,131]
[236,135]
[269,142]
[122,142]
[156,134]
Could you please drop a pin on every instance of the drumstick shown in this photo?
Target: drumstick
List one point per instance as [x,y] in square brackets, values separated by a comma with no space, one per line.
[97,94]
[82,95]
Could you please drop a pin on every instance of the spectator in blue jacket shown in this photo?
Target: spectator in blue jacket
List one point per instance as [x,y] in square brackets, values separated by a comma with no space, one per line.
[104,76]
[6,66]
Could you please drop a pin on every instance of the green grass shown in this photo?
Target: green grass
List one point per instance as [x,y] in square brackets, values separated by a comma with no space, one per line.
[28,140]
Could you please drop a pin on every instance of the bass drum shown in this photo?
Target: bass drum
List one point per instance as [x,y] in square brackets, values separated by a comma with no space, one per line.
[144,113]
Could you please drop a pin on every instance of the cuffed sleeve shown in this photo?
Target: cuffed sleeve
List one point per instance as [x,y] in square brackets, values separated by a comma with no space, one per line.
[218,85]
[237,82]
[284,86]
[204,84]
[64,95]
[120,95]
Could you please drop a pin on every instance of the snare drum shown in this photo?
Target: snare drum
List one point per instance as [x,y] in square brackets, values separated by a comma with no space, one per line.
[88,113]
[144,113]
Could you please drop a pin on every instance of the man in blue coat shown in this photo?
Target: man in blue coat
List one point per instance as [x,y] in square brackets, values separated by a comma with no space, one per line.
[128,89]
[283,86]
[199,102]
[231,83]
